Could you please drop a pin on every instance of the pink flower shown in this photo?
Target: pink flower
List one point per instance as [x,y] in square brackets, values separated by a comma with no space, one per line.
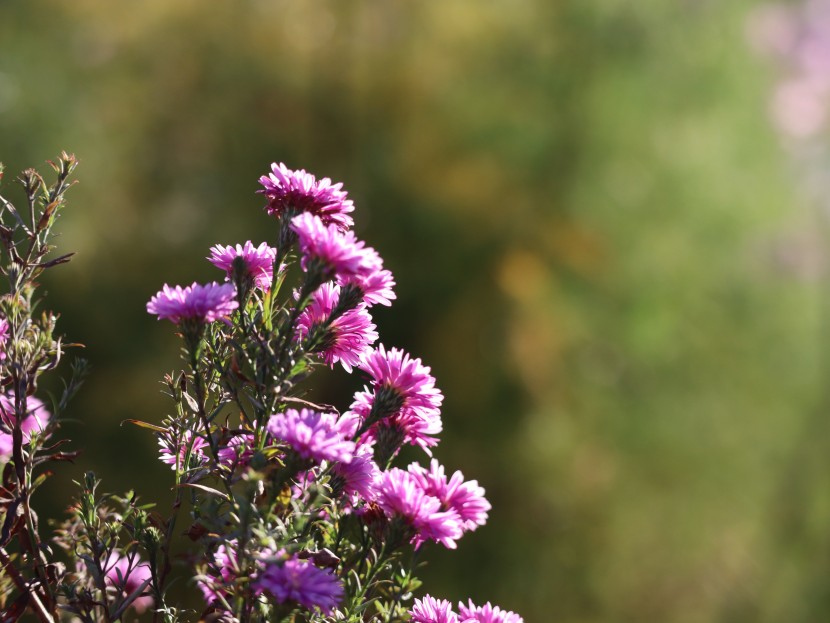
[465,498]
[297,191]
[238,451]
[37,417]
[295,580]
[259,261]
[204,303]
[403,395]
[346,338]
[313,435]
[169,453]
[221,572]
[431,610]
[360,476]
[126,574]
[400,495]
[487,614]
[375,283]
[340,254]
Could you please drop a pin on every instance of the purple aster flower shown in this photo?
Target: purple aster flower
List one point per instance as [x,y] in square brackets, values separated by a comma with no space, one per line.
[399,494]
[169,452]
[359,477]
[300,581]
[220,572]
[237,451]
[403,396]
[339,253]
[375,283]
[346,338]
[37,417]
[465,498]
[297,191]
[486,614]
[431,610]
[313,435]
[4,337]
[127,574]
[203,303]
[259,261]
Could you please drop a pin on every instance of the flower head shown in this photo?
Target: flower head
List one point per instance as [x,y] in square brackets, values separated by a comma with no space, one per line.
[402,396]
[487,614]
[399,494]
[312,435]
[220,572]
[37,417]
[338,254]
[359,477]
[346,338]
[465,498]
[295,580]
[259,261]
[172,454]
[298,191]
[431,610]
[203,303]
[374,282]
[127,574]
[237,451]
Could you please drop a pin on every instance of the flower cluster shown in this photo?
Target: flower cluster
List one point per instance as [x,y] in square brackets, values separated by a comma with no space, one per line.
[293,510]
[311,473]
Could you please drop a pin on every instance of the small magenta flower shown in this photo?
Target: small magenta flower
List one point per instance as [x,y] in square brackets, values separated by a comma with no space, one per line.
[346,338]
[407,378]
[374,283]
[259,261]
[313,435]
[359,477]
[402,397]
[196,445]
[486,614]
[431,610]
[338,254]
[127,574]
[37,417]
[220,572]
[237,452]
[400,495]
[290,192]
[202,303]
[295,580]
[465,498]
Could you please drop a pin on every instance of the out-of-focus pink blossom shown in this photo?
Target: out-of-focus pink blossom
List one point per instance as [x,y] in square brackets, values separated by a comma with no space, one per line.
[37,417]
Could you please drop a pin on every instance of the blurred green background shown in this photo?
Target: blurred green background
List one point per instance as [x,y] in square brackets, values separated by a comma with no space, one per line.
[601,250]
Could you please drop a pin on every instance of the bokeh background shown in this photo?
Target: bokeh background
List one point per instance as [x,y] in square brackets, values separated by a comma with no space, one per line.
[604,249]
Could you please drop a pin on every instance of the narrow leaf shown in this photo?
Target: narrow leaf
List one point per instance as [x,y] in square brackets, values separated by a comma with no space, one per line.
[152,427]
